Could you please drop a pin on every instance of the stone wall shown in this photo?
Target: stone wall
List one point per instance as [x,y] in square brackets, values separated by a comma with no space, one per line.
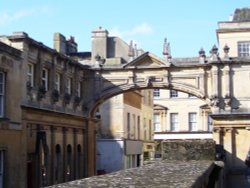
[188,150]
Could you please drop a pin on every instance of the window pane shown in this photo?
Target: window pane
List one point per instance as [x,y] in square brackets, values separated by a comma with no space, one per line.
[156,92]
[243,49]
[173,93]
[45,79]
[157,123]
[174,122]
[192,121]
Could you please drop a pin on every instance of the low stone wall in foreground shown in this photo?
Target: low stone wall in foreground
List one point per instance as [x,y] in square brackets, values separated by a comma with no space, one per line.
[160,174]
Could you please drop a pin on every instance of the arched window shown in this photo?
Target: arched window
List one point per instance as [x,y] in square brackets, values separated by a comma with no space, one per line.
[79,160]
[69,162]
[58,164]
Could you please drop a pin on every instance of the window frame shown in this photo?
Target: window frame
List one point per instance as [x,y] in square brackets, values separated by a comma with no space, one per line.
[69,85]
[79,89]
[2,94]
[157,122]
[58,82]
[30,74]
[174,122]
[157,93]
[209,123]
[243,48]
[192,121]
[45,78]
[173,93]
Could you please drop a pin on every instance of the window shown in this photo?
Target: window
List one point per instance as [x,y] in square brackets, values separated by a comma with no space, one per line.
[30,74]
[69,162]
[243,49]
[173,93]
[79,89]
[174,122]
[157,123]
[128,124]
[191,96]
[138,127]
[134,126]
[58,169]
[58,82]
[209,122]
[45,79]
[69,85]
[156,93]
[2,93]
[1,168]
[192,119]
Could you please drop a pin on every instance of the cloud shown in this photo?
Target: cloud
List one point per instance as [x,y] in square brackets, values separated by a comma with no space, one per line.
[134,33]
[141,29]
[10,17]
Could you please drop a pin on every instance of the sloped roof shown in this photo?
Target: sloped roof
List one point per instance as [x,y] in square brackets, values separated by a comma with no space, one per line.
[160,107]
[147,59]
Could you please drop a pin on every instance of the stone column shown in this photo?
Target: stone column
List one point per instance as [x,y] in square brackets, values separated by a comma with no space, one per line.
[218,135]
[75,173]
[64,153]
[91,144]
[52,156]
[226,72]
[84,154]
[215,80]
[229,147]
[227,89]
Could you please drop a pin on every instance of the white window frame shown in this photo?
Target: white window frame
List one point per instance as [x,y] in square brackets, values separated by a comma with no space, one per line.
[45,78]
[173,93]
[69,85]
[1,168]
[30,74]
[174,122]
[209,123]
[157,122]
[244,49]
[2,94]
[192,121]
[157,93]
[58,82]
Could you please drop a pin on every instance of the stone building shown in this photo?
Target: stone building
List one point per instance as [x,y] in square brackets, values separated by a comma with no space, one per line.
[125,130]
[179,115]
[12,153]
[234,44]
[44,138]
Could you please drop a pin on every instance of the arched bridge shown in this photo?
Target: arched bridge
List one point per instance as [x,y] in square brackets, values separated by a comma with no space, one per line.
[219,82]
[223,83]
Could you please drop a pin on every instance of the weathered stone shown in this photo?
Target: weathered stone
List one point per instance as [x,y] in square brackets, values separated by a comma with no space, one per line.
[188,150]
[160,174]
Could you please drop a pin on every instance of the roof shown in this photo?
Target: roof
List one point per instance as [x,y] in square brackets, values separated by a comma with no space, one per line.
[242,15]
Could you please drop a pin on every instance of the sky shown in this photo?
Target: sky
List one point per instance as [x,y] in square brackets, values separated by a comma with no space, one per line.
[188,25]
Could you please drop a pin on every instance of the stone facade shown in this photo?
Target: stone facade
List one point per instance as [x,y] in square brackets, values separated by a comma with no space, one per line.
[45,136]
[233,133]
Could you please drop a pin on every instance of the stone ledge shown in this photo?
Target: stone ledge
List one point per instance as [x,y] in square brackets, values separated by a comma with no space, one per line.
[169,174]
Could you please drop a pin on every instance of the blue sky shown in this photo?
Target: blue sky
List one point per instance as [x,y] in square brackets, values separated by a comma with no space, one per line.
[187,24]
